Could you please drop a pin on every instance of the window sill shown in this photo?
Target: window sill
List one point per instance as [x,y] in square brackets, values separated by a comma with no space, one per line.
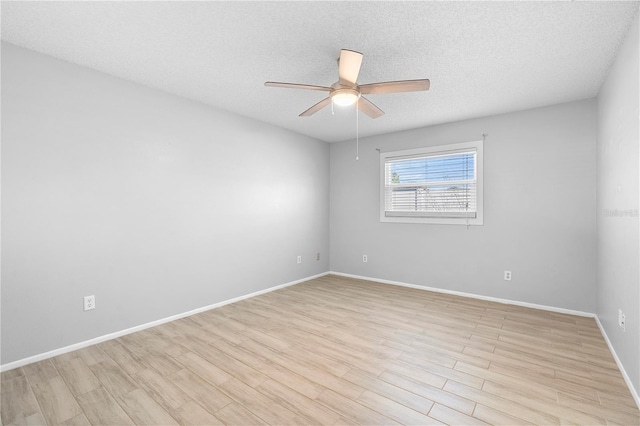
[477,221]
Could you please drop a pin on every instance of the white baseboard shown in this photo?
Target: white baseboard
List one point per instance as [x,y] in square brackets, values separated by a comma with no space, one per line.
[84,344]
[471,295]
[627,380]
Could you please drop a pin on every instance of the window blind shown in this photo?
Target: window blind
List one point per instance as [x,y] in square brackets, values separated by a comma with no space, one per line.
[432,185]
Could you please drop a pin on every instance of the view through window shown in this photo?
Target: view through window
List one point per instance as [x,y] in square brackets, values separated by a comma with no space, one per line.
[433,183]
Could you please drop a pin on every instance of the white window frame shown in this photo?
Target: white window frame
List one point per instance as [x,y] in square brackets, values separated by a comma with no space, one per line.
[449,149]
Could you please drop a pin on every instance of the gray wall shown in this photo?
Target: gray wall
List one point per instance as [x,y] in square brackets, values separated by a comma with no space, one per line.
[155,204]
[539,211]
[618,192]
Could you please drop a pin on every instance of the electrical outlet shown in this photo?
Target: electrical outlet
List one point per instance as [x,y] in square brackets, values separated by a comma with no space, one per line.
[507,275]
[364,258]
[621,320]
[89,303]
[318,256]
[299,259]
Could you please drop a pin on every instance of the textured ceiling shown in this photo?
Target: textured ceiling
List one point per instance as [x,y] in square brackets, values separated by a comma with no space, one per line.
[482,58]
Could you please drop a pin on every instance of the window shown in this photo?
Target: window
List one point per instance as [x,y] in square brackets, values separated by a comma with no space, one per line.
[441,184]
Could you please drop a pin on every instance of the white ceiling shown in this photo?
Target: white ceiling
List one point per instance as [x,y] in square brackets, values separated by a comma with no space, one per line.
[482,58]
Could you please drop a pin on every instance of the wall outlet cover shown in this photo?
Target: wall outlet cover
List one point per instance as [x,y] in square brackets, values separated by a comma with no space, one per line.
[89,302]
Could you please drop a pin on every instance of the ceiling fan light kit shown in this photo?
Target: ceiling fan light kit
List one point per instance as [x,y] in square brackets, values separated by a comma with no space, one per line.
[347,92]
[344,97]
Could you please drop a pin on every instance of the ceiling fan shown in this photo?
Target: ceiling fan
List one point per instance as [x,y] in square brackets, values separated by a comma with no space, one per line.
[346,91]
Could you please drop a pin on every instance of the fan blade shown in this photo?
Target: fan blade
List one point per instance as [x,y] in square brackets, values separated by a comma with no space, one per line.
[395,87]
[349,65]
[297,86]
[368,107]
[317,107]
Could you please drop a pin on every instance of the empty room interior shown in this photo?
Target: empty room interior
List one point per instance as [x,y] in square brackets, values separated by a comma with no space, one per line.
[320,213]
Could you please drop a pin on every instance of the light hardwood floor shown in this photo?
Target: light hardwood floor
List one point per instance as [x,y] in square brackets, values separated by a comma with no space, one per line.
[335,351]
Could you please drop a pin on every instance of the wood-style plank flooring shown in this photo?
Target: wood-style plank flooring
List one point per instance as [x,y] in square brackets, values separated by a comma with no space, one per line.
[335,351]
